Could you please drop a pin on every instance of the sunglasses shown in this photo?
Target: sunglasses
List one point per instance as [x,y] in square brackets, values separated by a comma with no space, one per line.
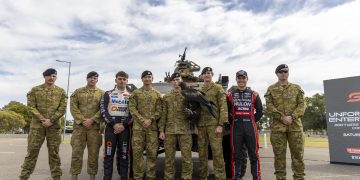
[280,72]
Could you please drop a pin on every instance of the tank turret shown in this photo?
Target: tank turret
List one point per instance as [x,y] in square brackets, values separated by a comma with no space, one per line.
[186,68]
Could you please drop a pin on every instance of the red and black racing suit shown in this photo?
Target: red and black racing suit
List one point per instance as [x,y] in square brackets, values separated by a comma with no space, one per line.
[246,109]
[114,109]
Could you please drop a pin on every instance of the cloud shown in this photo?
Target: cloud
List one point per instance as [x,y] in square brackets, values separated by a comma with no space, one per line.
[318,39]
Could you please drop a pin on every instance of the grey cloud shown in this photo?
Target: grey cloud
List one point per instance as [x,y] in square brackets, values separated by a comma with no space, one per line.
[280,7]
[87,33]
[275,42]
[156,2]
[5,73]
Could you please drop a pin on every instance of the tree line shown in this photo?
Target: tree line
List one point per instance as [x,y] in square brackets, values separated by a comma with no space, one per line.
[314,118]
[14,117]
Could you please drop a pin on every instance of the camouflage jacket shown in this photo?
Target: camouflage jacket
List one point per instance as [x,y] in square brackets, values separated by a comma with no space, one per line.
[48,103]
[216,94]
[286,100]
[84,103]
[145,104]
[173,120]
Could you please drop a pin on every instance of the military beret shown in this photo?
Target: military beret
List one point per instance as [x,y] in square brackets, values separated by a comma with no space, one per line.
[49,72]
[282,67]
[146,73]
[206,69]
[241,73]
[91,74]
[174,75]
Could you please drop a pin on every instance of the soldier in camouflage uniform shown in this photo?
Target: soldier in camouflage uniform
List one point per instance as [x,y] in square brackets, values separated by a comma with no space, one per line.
[175,128]
[211,128]
[47,104]
[285,104]
[84,107]
[145,107]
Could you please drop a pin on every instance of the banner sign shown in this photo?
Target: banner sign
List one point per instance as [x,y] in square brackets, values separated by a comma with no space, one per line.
[342,103]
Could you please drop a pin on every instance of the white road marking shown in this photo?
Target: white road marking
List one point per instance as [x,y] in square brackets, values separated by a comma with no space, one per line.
[352,175]
[7,152]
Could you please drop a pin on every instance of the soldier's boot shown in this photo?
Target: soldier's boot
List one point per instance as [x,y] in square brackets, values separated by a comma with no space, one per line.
[92,177]
[24,178]
[74,177]
[56,178]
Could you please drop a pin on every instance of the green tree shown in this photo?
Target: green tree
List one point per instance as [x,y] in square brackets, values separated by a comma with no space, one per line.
[264,122]
[10,121]
[20,109]
[314,116]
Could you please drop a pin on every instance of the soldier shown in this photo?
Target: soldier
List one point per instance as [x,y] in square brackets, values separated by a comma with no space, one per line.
[246,109]
[285,104]
[115,111]
[211,128]
[175,128]
[84,107]
[47,104]
[145,107]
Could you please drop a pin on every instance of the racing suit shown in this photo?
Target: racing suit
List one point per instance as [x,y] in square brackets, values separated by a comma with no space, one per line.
[246,109]
[114,109]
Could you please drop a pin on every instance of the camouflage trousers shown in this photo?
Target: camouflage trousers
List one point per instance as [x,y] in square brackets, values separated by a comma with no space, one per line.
[207,135]
[147,139]
[35,140]
[82,137]
[185,143]
[296,141]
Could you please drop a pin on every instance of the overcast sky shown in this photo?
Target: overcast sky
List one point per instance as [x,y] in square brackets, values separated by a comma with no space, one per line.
[318,39]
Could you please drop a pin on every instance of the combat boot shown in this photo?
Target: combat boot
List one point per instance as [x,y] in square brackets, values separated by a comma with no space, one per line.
[56,178]
[92,177]
[74,177]
[24,178]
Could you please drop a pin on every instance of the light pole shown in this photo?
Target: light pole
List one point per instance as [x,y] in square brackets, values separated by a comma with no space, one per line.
[67,92]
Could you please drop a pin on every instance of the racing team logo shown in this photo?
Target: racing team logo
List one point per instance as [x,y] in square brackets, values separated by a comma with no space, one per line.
[354,97]
[353,150]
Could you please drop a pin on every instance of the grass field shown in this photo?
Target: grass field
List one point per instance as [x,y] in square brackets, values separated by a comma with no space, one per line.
[317,142]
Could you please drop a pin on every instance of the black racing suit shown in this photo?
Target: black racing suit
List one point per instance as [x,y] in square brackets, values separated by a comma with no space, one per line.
[246,109]
[114,109]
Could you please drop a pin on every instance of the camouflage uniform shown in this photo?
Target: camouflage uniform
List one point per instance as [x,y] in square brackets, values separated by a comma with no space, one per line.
[84,103]
[49,103]
[177,129]
[145,104]
[286,100]
[206,126]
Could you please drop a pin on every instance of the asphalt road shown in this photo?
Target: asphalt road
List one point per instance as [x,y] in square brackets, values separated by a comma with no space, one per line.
[13,151]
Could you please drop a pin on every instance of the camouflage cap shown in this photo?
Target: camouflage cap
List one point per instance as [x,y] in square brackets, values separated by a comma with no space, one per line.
[146,73]
[206,69]
[91,74]
[174,75]
[49,72]
[281,67]
[241,73]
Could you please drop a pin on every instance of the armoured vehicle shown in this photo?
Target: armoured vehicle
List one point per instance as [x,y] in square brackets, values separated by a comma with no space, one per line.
[187,68]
